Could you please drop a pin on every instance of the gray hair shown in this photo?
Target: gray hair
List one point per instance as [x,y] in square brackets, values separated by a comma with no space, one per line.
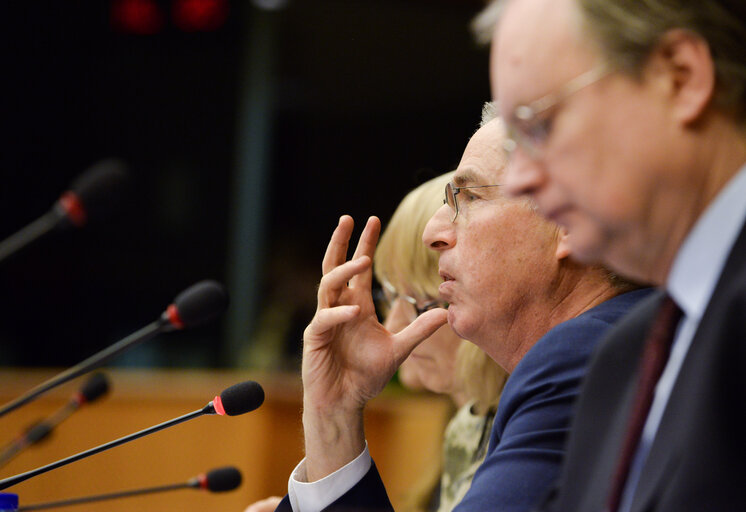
[490,112]
[483,25]
[629,30]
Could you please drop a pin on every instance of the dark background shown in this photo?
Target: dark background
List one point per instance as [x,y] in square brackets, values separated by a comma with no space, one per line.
[248,131]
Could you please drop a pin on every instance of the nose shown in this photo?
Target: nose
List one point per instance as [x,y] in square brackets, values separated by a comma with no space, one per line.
[398,317]
[439,233]
[524,176]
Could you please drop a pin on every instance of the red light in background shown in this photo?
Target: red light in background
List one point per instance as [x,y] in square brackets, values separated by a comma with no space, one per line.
[136,16]
[200,15]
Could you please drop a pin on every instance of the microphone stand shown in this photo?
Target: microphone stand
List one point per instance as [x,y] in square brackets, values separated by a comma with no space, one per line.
[89,364]
[30,233]
[108,496]
[7,482]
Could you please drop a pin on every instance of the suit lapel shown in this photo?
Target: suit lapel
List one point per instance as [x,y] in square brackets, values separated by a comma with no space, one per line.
[671,438]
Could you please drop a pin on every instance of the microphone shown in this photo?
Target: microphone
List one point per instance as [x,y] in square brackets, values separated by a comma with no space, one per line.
[93,389]
[198,304]
[218,480]
[222,479]
[91,196]
[233,401]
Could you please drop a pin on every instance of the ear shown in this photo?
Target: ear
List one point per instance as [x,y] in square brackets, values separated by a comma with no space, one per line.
[688,64]
[563,244]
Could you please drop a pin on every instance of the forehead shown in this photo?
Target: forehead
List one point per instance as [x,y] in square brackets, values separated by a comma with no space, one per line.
[483,160]
[538,46]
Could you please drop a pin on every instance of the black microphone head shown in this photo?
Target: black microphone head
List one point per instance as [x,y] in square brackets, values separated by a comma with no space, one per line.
[94,388]
[96,192]
[239,399]
[223,479]
[198,304]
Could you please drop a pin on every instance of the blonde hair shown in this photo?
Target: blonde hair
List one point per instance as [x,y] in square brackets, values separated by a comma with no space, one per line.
[401,258]
[482,378]
[404,261]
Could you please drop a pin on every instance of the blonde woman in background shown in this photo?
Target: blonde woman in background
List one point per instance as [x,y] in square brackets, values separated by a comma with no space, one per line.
[444,363]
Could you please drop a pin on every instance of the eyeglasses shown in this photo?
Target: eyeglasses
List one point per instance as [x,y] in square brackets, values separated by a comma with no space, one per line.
[451,193]
[387,295]
[529,128]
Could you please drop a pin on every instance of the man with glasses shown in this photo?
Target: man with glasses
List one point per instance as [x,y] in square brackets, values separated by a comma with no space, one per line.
[511,289]
[644,162]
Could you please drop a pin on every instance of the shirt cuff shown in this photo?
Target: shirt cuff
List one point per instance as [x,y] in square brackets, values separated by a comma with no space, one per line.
[316,496]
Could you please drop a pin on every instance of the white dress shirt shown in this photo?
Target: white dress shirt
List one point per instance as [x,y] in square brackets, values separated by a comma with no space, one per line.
[693,277]
[316,496]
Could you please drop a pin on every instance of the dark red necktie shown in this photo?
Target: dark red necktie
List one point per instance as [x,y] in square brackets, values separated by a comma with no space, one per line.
[655,355]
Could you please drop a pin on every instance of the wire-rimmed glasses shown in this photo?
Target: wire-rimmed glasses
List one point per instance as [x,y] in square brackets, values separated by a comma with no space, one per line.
[388,294]
[529,128]
[452,191]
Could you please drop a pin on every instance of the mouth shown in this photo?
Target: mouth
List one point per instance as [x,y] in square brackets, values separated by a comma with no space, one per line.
[446,286]
[445,276]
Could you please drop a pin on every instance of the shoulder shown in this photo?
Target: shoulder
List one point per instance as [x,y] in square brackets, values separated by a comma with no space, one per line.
[551,372]
[565,349]
[597,320]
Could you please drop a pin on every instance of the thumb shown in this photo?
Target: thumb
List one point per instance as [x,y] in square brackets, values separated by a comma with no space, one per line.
[423,327]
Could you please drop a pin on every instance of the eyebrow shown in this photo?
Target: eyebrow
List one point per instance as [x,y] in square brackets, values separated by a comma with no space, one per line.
[464,178]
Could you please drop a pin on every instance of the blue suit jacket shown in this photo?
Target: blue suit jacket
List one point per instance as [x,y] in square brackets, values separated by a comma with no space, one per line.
[531,424]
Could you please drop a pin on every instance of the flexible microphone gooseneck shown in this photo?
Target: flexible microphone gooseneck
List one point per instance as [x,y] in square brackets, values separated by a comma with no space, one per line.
[93,195]
[233,401]
[222,479]
[196,305]
[94,388]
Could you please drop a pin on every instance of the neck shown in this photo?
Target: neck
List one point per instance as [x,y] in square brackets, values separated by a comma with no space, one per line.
[591,289]
[577,289]
[714,156]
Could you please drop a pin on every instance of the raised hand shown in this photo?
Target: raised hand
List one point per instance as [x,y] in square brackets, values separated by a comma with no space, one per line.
[348,356]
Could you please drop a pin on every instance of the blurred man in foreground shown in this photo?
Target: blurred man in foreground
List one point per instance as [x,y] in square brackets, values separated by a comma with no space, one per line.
[626,124]
[512,290]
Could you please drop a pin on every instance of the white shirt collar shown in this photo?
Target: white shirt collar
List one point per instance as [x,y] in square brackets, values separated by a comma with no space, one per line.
[703,254]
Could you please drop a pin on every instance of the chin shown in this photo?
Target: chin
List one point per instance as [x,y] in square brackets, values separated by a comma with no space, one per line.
[457,323]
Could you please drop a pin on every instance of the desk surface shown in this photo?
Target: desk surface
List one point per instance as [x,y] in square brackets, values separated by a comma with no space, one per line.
[403,431]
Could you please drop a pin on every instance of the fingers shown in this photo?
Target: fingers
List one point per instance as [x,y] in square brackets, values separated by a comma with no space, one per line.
[423,327]
[328,318]
[336,251]
[335,281]
[358,272]
[366,246]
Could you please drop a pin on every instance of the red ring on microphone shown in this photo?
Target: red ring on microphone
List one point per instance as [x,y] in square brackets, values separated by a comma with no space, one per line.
[172,313]
[202,481]
[73,208]
[79,398]
[217,404]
